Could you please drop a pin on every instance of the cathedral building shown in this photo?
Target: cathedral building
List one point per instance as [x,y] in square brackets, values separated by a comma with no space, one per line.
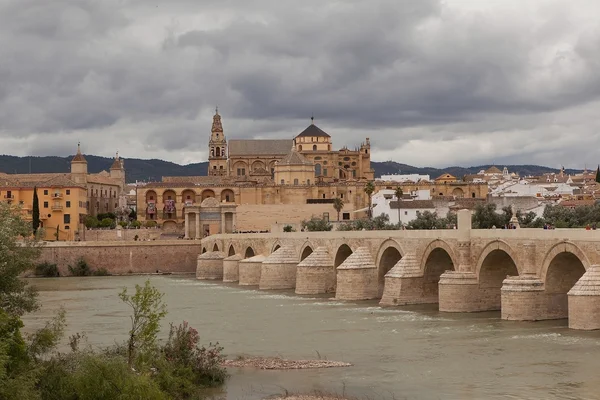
[271,182]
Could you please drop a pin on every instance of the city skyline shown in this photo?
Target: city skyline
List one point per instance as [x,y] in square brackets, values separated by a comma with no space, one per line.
[431,83]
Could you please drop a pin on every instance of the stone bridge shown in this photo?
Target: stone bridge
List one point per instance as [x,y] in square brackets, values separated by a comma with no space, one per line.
[528,274]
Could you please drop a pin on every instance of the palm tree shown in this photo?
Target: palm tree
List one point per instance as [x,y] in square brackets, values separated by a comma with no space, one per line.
[398,193]
[338,204]
[369,189]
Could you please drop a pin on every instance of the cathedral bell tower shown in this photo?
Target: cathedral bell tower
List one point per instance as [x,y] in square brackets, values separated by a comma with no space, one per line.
[217,156]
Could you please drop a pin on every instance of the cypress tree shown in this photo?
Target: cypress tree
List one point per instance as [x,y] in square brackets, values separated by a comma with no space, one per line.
[598,174]
[35,211]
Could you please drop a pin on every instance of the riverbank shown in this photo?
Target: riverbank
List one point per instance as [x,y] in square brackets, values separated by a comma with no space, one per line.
[309,397]
[275,363]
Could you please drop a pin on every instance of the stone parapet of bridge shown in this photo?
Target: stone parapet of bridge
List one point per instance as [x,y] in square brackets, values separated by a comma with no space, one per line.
[525,273]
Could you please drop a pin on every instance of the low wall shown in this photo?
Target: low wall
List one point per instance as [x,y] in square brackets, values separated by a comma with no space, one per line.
[125,257]
[114,235]
[261,217]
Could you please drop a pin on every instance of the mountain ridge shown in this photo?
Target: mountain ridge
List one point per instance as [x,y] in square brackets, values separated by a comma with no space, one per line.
[154,169]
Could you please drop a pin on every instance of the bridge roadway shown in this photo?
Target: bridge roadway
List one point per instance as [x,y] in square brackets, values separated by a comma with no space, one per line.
[528,274]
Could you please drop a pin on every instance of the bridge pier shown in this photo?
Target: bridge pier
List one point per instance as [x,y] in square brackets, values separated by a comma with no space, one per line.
[357,277]
[459,292]
[210,265]
[231,268]
[249,270]
[278,270]
[316,274]
[405,284]
[584,301]
[524,299]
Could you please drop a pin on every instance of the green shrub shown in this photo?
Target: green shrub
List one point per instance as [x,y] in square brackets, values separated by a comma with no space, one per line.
[317,225]
[135,224]
[101,272]
[288,228]
[46,269]
[150,224]
[91,222]
[123,224]
[107,223]
[81,268]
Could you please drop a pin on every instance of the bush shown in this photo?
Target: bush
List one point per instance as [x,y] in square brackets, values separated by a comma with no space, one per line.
[288,228]
[109,215]
[135,224]
[107,223]
[123,224]
[101,272]
[150,224]
[81,268]
[317,225]
[46,269]
[91,222]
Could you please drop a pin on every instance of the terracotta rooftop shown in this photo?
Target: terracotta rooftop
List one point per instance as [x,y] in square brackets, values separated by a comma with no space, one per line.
[294,158]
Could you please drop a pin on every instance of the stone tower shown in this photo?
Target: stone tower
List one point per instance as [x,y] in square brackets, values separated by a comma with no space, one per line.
[217,156]
[117,171]
[79,166]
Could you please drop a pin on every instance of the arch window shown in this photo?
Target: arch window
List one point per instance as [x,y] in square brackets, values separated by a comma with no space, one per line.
[317,169]
[314,147]
[218,152]
[296,181]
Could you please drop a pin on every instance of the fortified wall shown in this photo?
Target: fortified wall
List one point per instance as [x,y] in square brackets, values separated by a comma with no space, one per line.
[177,256]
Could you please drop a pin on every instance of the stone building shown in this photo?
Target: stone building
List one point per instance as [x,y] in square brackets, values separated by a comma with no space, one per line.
[277,181]
[66,198]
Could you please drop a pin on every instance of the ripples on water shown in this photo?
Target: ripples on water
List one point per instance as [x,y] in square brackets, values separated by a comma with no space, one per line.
[411,352]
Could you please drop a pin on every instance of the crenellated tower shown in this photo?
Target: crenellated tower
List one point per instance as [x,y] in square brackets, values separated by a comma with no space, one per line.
[217,156]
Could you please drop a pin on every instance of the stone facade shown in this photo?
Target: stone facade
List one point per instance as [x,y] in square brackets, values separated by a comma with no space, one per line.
[210,265]
[316,274]
[278,270]
[249,270]
[231,268]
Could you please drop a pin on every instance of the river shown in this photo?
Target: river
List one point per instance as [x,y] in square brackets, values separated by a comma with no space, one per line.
[411,352]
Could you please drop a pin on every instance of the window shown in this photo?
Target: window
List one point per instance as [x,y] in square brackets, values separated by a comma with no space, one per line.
[227,198]
[296,181]
[67,218]
[308,181]
[66,227]
[151,197]
[323,195]
[8,194]
[473,195]
[317,169]
[300,148]
[326,216]
[283,181]
[345,216]
[46,192]
[324,171]
[215,167]
[68,204]
[45,204]
[341,195]
[21,202]
[220,167]
[188,197]
[116,205]
[68,191]
[314,147]
[241,171]
[405,212]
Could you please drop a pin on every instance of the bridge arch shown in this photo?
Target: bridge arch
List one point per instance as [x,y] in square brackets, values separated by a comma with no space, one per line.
[496,262]
[203,250]
[216,247]
[249,252]
[231,251]
[307,249]
[438,258]
[275,247]
[390,252]
[564,264]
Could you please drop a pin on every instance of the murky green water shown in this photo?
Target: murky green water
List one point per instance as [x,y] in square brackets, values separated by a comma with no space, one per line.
[403,353]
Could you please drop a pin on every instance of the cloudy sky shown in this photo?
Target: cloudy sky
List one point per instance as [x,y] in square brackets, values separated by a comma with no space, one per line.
[432,83]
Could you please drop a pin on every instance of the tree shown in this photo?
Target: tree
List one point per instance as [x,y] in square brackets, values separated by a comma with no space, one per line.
[338,205]
[148,310]
[35,211]
[19,251]
[398,193]
[598,174]
[369,189]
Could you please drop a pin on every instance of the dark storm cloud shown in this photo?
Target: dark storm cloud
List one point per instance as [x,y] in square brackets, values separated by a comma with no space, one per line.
[430,82]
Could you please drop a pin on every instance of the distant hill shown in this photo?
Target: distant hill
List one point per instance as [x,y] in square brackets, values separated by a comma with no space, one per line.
[153,170]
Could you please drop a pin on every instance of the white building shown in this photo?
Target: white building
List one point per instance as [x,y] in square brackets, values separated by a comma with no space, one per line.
[405,210]
[405,178]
